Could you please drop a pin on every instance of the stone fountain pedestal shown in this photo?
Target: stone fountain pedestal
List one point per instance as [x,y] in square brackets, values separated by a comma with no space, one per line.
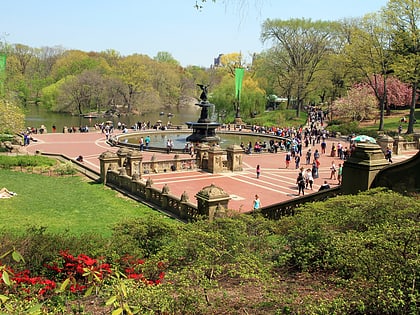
[204,130]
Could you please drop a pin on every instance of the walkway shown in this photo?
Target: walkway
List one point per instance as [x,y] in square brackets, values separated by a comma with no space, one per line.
[276,183]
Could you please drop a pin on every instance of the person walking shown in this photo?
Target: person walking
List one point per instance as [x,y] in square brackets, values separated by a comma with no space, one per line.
[308,156]
[258,171]
[300,181]
[340,174]
[297,161]
[309,179]
[147,141]
[388,154]
[141,144]
[256,203]
[288,158]
[315,170]
[333,171]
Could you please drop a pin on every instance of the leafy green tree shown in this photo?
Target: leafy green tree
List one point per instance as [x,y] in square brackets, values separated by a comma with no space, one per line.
[164,56]
[87,91]
[275,74]
[224,98]
[12,117]
[369,53]
[300,46]
[74,62]
[136,75]
[403,17]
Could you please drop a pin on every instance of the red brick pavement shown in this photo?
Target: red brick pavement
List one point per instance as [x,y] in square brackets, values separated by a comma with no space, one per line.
[275,184]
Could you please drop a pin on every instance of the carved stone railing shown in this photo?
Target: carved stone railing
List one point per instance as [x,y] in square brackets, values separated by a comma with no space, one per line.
[158,199]
[287,208]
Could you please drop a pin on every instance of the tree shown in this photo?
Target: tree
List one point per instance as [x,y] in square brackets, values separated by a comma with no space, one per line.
[83,92]
[403,16]
[224,98]
[164,56]
[368,52]
[136,76]
[300,45]
[398,94]
[11,116]
[359,104]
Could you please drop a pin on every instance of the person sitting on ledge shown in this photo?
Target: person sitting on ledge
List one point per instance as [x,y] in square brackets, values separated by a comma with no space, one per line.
[79,159]
[324,186]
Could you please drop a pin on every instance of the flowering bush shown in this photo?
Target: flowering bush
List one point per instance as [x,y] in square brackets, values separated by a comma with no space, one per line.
[80,274]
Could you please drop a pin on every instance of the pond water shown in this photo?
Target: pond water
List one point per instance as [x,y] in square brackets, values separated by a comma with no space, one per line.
[160,139]
[37,116]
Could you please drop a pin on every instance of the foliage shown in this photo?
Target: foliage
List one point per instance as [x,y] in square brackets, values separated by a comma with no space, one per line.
[66,168]
[358,105]
[280,118]
[8,162]
[403,16]
[252,98]
[371,240]
[365,247]
[300,46]
[143,236]
[11,116]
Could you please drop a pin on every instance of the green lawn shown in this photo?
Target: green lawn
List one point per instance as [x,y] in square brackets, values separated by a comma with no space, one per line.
[63,204]
[391,123]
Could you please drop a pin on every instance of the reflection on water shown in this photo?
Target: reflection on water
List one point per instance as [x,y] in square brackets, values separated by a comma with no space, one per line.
[37,116]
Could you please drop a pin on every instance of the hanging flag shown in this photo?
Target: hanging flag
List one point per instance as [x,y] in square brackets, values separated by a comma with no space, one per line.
[2,63]
[2,72]
[239,75]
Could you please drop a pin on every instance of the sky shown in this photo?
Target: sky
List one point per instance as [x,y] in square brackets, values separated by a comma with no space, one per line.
[191,36]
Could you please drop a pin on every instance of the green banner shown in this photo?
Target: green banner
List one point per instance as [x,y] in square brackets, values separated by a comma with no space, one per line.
[239,75]
[2,63]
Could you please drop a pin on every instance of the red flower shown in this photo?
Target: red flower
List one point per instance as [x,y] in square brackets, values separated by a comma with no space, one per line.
[86,260]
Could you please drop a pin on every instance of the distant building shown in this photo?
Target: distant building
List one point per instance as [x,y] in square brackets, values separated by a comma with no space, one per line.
[217,61]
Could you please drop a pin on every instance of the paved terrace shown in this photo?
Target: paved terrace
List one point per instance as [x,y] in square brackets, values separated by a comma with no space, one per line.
[276,183]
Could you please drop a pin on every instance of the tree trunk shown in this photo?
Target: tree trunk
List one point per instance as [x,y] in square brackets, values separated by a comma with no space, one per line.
[410,128]
[382,107]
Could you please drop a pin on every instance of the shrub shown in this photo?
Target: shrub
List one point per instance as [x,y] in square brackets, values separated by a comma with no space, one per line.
[66,168]
[8,162]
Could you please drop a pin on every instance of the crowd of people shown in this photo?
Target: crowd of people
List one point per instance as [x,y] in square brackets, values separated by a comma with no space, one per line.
[306,145]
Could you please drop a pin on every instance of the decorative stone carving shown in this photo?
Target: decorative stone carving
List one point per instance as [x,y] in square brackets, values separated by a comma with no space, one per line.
[165,189]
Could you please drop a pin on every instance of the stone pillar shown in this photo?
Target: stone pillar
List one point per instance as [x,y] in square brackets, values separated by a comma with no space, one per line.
[134,163]
[149,184]
[398,144]
[216,155]
[165,193]
[361,168]
[177,162]
[386,141]
[210,199]
[202,156]
[122,154]
[185,199]
[416,139]
[234,158]
[108,161]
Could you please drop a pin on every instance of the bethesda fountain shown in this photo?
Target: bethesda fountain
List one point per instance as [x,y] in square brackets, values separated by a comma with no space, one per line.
[204,130]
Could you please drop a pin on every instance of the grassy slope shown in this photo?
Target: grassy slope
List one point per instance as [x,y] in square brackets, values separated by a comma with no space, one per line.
[63,203]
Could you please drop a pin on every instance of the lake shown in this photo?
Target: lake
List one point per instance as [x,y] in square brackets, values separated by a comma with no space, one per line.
[37,116]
